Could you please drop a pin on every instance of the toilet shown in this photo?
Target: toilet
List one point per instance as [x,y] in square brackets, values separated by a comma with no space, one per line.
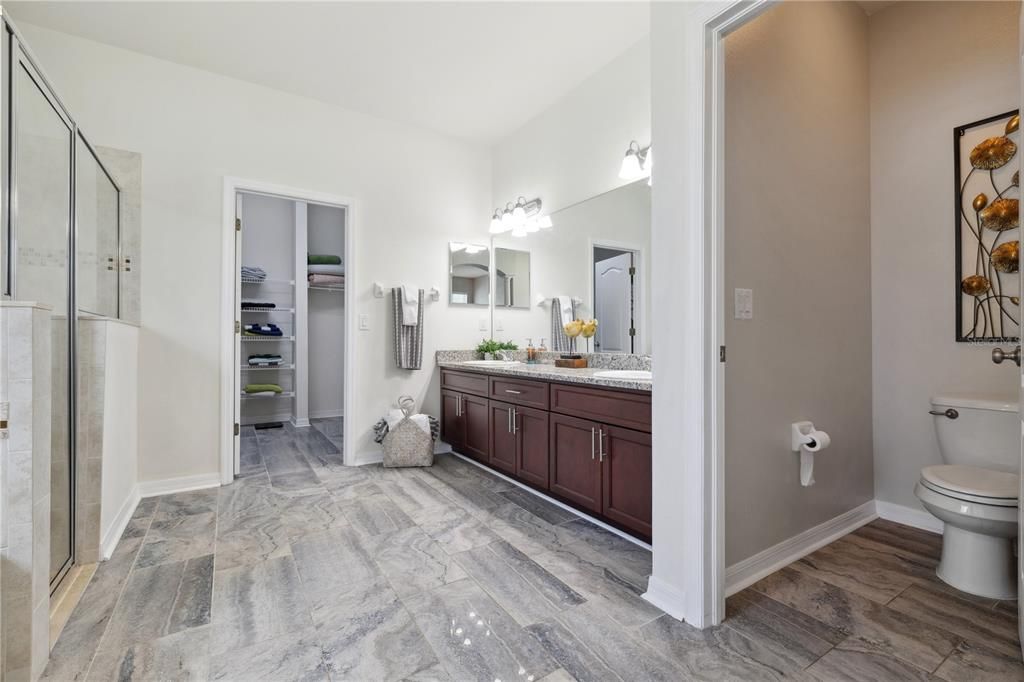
[975,493]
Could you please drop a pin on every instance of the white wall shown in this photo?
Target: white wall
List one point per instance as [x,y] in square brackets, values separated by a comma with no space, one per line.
[414,190]
[573,150]
[934,66]
[120,429]
[797,232]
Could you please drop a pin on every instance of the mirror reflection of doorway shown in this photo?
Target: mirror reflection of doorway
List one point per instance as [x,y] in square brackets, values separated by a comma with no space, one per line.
[615,300]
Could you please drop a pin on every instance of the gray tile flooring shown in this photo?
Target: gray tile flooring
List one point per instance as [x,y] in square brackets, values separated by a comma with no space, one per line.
[306,570]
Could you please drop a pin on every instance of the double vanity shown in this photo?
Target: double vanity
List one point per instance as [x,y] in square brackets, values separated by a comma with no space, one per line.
[582,436]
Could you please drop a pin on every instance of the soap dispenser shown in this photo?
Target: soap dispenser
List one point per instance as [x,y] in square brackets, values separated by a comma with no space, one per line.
[531,352]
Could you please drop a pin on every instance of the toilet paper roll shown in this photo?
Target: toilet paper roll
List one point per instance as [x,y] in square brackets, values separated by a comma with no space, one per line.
[816,441]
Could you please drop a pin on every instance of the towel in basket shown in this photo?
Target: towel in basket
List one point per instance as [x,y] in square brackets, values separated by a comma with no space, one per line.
[407,438]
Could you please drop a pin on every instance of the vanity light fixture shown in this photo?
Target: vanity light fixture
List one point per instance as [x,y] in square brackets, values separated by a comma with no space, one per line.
[520,218]
[637,162]
[470,249]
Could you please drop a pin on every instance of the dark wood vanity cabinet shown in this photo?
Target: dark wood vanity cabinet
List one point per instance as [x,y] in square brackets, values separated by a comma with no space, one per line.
[465,424]
[590,447]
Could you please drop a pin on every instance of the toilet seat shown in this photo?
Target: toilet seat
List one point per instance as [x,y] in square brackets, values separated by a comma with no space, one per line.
[973,484]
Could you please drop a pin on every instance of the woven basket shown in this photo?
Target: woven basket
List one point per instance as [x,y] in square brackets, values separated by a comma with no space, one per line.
[407,445]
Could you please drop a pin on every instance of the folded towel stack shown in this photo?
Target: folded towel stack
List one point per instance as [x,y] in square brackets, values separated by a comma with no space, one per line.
[265,360]
[322,259]
[262,330]
[338,270]
[262,389]
[253,273]
[328,280]
[258,305]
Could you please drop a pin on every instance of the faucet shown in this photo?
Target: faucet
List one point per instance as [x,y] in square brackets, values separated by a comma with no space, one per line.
[503,355]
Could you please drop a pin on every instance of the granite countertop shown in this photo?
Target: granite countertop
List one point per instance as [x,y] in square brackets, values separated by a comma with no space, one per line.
[552,373]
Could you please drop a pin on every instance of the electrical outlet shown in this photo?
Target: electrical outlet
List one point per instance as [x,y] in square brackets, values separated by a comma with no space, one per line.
[364,322]
[744,304]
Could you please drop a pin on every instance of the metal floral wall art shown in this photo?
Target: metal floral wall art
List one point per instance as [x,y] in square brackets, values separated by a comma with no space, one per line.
[988,229]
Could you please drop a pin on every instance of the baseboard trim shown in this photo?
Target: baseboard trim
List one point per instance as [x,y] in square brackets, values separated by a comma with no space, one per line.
[745,573]
[113,535]
[326,414]
[299,423]
[181,484]
[666,597]
[368,457]
[908,516]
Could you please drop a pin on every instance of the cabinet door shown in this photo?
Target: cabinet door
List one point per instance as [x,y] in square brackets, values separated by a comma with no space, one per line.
[476,415]
[575,472]
[451,423]
[503,438]
[627,478]
[532,461]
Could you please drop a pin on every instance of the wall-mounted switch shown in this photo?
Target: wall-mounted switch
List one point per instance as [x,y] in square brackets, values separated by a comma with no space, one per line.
[483,324]
[744,304]
[498,326]
[364,322]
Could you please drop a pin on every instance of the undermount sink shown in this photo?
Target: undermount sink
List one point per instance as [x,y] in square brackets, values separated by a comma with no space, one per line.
[634,374]
[492,363]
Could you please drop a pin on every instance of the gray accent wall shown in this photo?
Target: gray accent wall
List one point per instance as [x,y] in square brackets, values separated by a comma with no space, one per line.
[797,232]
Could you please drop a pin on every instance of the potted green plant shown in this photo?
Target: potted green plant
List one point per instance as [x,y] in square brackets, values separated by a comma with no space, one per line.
[488,347]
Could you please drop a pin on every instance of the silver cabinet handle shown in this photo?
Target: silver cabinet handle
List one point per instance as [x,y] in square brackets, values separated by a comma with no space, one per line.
[950,413]
[458,399]
[515,413]
[508,420]
[600,442]
[593,435]
[509,390]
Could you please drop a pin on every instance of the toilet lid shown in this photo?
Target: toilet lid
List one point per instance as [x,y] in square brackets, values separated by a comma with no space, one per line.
[968,480]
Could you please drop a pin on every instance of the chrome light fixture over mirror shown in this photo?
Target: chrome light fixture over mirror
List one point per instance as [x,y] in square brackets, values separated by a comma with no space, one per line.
[637,162]
[520,218]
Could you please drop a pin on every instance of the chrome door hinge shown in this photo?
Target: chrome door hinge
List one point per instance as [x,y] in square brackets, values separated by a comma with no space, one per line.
[238,327]
[238,224]
[632,271]
[632,331]
[238,429]
[721,353]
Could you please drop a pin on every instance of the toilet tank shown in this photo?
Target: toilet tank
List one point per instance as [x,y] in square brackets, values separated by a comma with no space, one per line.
[985,433]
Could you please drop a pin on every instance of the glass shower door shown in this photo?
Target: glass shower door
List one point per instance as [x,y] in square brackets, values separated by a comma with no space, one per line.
[42,154]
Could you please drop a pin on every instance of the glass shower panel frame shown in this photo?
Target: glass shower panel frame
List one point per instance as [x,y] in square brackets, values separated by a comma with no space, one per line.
[24,74]
[106,259]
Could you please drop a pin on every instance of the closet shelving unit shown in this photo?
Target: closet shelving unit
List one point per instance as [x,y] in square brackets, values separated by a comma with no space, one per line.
[277,233]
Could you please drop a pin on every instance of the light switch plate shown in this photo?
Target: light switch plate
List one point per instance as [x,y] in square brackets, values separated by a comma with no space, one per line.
[744,304]
[498,326]
[483,324]
[364,322]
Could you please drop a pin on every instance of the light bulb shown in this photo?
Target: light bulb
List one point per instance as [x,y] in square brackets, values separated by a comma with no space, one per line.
[631,169]
[519,214]
[506,219]
[496,226]
[532,225]
[544,222]
[519,231]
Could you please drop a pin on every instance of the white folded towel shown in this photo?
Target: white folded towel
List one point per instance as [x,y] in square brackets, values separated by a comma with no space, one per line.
[326,269]
[565,308]
[420,420]
[410,305]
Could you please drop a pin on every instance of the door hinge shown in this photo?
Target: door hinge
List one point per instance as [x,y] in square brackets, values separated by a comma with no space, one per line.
[238,429]
[632,271]
[632,331]
[238,224]
[238,327]
[721,353]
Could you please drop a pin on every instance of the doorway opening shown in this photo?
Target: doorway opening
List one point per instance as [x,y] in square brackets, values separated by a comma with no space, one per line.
[615,289]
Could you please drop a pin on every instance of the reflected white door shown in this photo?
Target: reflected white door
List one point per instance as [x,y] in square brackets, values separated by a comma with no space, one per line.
[238,335]
[613,297]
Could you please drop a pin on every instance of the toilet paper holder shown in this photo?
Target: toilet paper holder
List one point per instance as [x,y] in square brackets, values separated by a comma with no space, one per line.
[807,440]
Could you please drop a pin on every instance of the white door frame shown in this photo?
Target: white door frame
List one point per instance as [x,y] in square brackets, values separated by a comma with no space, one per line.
[639,287]
[232,185]
[687,60]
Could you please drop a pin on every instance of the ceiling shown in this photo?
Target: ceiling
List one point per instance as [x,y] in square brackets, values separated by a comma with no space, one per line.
[474,70]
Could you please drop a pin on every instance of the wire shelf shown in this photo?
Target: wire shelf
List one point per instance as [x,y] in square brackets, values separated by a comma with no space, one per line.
[285,394]
[249,280]
[323,287]
[253,368]
[265,339]
[267,310]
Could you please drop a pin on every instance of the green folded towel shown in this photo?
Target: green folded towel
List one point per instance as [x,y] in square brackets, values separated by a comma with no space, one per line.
[322,259]
[263,388]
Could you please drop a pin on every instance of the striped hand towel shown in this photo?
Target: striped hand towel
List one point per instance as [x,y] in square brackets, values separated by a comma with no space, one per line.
[408,338]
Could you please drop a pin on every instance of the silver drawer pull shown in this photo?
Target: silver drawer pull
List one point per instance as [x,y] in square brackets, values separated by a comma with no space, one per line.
[950,413]
[509,390]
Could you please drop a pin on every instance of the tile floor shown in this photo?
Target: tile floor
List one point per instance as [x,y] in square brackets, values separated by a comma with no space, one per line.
[306,570]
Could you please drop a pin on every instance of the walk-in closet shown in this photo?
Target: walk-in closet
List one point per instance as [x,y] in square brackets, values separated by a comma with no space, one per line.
[290,310]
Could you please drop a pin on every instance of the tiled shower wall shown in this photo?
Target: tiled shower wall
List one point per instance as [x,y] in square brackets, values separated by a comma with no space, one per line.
[25,336]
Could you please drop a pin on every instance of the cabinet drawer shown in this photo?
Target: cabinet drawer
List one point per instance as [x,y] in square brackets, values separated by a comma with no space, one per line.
[464,381]
[520,392]
[621,408]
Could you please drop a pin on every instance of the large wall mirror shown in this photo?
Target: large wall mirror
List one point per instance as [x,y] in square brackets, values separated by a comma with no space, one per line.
[469,269]
[596,255]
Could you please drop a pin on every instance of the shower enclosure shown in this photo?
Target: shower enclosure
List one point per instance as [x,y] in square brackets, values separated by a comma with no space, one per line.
[60,247]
